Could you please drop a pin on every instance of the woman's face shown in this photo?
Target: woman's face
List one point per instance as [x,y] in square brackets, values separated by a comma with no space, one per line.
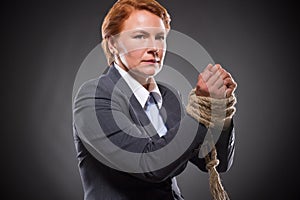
[141,45]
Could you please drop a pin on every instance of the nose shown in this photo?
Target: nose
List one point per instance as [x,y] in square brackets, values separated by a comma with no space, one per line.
[153,50]
[153,46]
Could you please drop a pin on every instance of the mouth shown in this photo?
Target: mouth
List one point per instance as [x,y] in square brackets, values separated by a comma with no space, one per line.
[152,61]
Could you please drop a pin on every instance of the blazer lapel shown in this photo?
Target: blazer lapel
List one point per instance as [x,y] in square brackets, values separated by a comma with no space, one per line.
[136,111]
[171,106]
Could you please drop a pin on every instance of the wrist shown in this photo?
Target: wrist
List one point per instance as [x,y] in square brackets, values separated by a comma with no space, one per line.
[211,112]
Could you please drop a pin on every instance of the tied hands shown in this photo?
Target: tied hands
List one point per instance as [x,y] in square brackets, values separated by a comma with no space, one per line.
[215,82]
[214,90]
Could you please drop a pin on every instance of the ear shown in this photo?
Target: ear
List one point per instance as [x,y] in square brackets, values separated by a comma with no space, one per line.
[112,46]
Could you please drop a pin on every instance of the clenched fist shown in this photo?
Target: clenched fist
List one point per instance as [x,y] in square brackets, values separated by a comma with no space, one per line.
[215,82]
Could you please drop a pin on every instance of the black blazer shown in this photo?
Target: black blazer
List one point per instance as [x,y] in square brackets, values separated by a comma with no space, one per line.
[108,99]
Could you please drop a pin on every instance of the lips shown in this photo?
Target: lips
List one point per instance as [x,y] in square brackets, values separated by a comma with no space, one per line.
[151,61]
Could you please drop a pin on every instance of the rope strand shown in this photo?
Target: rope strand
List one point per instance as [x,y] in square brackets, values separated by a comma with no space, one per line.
[216,189]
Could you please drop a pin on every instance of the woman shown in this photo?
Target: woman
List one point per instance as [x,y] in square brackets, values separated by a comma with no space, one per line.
[132,134]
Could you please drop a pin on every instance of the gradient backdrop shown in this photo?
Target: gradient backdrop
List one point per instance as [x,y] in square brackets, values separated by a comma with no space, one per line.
[44,43]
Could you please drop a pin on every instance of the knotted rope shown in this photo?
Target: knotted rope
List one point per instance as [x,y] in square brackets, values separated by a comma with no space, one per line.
[200,108]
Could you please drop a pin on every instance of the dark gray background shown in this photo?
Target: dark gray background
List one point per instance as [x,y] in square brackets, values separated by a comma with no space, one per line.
[44,44]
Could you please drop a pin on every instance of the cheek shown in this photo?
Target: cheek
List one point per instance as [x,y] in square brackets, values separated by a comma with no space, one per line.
[134,57]
[162,53]
[128,46]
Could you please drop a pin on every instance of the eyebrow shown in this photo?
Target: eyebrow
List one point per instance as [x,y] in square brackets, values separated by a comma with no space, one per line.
[147,33]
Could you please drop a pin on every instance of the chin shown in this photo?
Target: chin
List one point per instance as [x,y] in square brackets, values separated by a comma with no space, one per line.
[151,71]
[147,71]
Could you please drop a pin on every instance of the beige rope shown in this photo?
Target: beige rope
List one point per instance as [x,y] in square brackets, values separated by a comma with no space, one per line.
[200,109]
[216,189]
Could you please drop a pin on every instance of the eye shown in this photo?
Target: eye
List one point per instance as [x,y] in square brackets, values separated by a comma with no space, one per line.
[139,36]
[160,37]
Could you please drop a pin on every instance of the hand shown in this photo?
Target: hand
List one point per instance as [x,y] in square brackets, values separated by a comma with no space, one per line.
[228,82]
[215,82]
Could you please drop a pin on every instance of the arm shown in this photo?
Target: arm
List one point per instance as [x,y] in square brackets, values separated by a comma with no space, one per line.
[212,104]
[225,151]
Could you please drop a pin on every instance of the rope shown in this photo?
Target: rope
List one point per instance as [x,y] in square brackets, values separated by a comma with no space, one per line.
[216,189]
[200,109]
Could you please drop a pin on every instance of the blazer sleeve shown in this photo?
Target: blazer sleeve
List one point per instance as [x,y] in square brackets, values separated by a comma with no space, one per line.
[103,125]
[225,147]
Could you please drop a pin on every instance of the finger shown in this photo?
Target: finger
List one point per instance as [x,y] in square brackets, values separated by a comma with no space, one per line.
[206,74]
[201,88]
[211,81]
[229,92]
[228,74]
[208,67]
[215,68]
[230,83]
[210,71]
[217,89]
[219,83]
[224,73]
[201,83]
[230,88]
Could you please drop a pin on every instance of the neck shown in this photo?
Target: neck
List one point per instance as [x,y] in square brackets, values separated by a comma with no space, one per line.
[146,82]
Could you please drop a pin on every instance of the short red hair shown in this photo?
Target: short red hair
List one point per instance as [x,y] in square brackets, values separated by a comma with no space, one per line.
[121,10]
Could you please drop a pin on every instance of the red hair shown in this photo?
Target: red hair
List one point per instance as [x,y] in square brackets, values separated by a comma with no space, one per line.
[120,12]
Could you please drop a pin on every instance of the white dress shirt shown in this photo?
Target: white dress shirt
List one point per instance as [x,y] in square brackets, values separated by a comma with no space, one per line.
[142,95]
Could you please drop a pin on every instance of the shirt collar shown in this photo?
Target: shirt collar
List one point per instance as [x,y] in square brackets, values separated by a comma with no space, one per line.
[141,93]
